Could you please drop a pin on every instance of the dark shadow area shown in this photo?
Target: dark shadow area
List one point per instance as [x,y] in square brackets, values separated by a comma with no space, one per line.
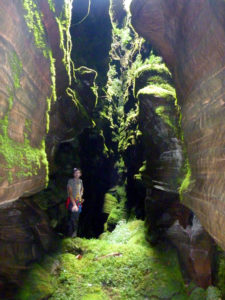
[88,47]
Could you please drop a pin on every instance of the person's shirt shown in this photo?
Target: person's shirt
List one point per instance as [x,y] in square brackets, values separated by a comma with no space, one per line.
[76,186]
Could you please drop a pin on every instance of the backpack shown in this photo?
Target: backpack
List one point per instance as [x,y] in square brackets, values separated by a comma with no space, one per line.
[77,203]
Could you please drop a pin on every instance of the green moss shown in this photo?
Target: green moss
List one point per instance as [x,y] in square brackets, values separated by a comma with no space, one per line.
[43,289]
[120,167]
[139,272]
[10,100]
[33,18]
[141,172]
[51,5]
[164,115]
[26,158]
[213,293]
[73,94]
[154,66]
[198,294]
[152,71]
[157,91]
[118,211]
[114,85]
[221,273]
[98,295]
[123,35]
[109,203]
[187,181]
[64,21]
[16,68]
[53,76]
[115,216]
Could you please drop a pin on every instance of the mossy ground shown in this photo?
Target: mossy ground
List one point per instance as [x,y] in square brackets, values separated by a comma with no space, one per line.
[139,272]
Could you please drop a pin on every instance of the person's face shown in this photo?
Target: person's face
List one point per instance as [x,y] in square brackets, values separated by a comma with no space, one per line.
[77,174]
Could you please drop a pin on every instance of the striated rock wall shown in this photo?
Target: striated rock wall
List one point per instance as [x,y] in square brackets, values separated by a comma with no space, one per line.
[42,103]
[37,74]
[190,36]
[25,85]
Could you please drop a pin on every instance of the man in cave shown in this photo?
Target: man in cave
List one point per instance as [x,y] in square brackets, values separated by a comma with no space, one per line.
[75,191]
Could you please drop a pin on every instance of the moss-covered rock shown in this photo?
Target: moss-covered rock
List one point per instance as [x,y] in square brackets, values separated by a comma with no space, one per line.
[221,272]
[110,202]
[213,293]
[44,289]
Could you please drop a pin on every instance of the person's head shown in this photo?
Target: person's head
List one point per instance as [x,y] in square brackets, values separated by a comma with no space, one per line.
[76,173]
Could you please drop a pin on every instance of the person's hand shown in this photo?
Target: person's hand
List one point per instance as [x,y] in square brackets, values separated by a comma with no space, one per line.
[74,208]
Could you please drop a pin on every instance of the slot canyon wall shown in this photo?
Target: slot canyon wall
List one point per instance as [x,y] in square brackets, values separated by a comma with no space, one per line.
[53,117]
[42,104]
[37,74]
[190,37]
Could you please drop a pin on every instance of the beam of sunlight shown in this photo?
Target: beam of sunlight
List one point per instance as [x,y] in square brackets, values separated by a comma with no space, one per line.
[127,4]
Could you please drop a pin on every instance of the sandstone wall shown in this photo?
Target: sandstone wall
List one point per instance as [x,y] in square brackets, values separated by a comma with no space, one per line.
[36,75]
[190,35]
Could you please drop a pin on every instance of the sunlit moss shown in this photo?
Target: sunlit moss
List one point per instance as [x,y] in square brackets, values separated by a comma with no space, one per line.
[16,68]
[109,203]
[152,71]
[26,158]
[157,91]
[139,271]
[213,293]
[118,210]
[162,113]
[73,94]
[187,181]
[33,18]
[53,75]
[51,5]
[64,21]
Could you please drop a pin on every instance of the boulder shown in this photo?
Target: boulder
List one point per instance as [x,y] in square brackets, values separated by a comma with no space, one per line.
[195,249]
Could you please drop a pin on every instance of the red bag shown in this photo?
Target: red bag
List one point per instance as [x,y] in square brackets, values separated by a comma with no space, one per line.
[67,202]
[77,203]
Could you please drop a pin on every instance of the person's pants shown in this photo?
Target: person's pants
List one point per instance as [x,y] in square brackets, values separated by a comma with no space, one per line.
[73,220]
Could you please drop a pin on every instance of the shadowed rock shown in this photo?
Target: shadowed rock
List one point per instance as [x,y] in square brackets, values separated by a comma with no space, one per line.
[190,36]
[25,236]
[195,249]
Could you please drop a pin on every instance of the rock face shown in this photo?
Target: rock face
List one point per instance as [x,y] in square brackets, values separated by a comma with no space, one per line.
[195,249]
[42,103]
[158,119]
[189,34]
[25,85]
[36,72]
[23,239]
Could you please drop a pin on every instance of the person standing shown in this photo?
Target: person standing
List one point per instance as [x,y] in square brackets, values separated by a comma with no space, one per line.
[75,191]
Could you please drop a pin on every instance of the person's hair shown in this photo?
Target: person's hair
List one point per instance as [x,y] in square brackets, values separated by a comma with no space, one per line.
[76,169]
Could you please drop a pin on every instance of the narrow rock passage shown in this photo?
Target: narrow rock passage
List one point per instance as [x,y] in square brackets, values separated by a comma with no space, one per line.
[90,92]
